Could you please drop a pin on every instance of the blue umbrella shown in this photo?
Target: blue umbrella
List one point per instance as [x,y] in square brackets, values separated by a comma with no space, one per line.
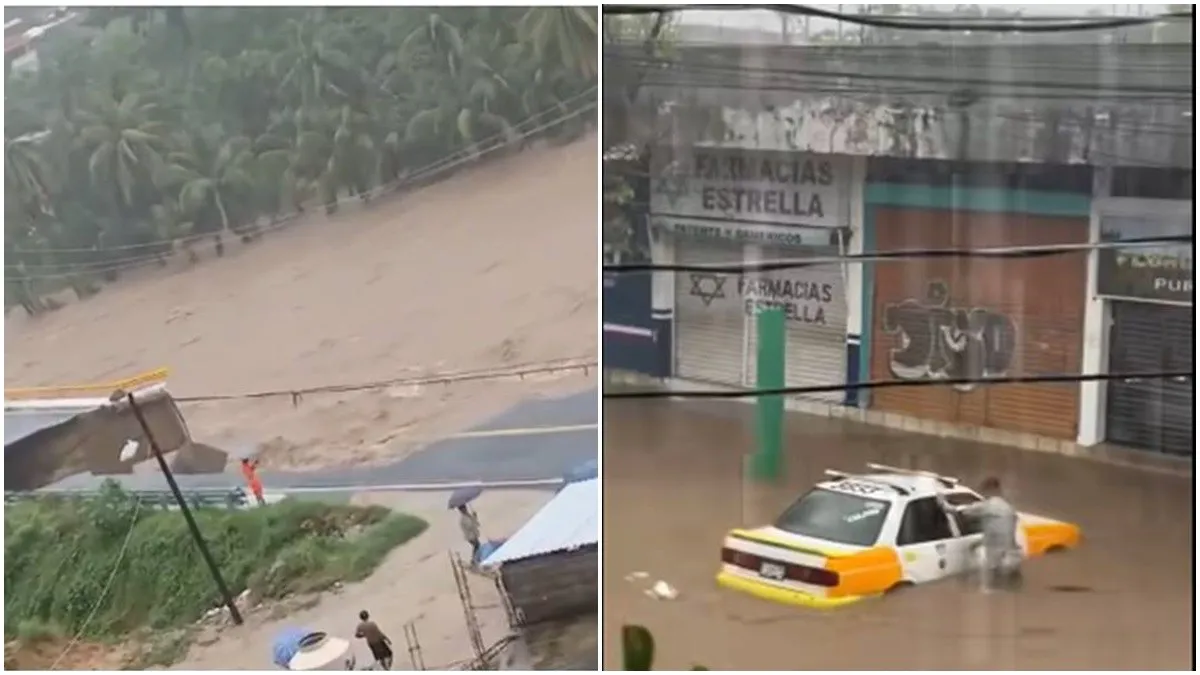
[464,495]
[585,471]
[287,645]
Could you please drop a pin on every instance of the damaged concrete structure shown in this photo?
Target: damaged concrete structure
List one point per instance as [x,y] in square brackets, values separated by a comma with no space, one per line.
[48,440]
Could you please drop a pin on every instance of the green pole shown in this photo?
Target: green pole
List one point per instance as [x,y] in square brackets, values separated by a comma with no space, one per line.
[768,456]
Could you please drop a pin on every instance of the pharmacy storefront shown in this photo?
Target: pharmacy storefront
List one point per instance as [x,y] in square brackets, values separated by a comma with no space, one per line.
[716,207]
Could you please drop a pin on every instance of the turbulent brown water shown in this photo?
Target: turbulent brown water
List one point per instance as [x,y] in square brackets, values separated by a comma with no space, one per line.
[673,487]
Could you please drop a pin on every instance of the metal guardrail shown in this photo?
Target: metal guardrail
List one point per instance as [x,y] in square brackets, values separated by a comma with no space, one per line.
[233,498]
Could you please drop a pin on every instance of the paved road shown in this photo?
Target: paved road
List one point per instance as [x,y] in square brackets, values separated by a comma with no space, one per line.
[561,434]
[672,488]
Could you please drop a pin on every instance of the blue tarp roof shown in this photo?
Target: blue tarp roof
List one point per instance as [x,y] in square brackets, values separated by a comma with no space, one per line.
[568,521]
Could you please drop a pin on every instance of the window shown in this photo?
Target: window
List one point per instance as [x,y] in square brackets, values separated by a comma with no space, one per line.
[924,520]
[836,517]
[967,525]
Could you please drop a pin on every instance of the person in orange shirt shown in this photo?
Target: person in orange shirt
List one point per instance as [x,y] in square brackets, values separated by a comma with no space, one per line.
[250,473]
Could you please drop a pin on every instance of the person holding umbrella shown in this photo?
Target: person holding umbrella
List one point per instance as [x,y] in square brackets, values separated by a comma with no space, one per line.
[468,522]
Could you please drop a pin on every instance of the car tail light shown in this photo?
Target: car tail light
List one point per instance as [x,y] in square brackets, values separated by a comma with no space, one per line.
[813,575]
[749,561]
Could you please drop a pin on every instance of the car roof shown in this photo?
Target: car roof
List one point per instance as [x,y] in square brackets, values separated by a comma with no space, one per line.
[894,486]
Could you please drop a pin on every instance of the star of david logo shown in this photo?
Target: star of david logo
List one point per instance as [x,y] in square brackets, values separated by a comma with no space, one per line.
[674,185]
[707,286]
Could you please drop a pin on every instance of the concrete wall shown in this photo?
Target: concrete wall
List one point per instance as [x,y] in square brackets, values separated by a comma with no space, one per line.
[552,586]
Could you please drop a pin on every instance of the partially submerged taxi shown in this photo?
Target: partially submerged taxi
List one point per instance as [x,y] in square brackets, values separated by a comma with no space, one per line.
[857,536]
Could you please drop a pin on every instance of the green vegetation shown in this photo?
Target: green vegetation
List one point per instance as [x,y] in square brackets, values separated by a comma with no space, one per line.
[144,131]
[59,556]
[637,645]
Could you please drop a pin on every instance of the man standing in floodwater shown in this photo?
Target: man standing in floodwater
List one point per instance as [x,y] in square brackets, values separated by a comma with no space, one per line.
[998,521]
[379,644]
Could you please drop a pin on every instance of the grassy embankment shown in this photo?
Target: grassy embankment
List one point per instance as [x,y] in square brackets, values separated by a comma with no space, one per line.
[59,556]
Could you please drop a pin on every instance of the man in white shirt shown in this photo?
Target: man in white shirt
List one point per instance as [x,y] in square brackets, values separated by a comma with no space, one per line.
[999,522]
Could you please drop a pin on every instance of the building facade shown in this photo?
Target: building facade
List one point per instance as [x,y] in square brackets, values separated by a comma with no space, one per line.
[747,152]
[731,206]
[969,317]
[1141,313]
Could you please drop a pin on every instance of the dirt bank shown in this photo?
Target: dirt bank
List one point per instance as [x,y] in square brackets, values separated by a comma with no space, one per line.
[415,583]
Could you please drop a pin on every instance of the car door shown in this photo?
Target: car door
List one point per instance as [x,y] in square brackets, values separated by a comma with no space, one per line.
[927,543]
[969,533]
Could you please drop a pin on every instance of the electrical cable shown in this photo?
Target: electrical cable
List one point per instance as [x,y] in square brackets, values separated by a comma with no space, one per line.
[1018,25]
[749,84]
[433,168]
[518,371]
[892,384]
[141,261]
[1013,136]
[1000,252]
[137,509]
[739,69]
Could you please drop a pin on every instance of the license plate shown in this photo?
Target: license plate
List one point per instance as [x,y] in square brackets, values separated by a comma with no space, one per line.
[771,570]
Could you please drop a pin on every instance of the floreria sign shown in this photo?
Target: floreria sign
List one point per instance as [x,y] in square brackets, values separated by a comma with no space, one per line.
[1146,274]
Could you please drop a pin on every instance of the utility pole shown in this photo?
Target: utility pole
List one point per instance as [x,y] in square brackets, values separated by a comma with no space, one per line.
[226,596]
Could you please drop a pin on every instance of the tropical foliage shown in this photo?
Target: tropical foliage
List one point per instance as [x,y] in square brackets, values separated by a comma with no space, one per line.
[143,132]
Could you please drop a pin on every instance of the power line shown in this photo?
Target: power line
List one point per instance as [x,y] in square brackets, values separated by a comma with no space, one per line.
[137,509]
[892,384]
[452,159]
[1020,25]
[740,69]
[1003,252]
[140,261]
[519,371]
[746,84]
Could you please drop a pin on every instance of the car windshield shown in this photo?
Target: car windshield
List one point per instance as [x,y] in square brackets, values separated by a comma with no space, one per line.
[836,517]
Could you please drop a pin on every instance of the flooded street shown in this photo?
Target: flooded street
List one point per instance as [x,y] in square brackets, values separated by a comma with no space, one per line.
[673,487]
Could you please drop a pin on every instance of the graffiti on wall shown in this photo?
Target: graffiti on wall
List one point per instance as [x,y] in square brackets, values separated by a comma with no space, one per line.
[935,341]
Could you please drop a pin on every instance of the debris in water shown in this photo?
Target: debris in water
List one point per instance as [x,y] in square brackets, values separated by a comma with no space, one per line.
[664,591]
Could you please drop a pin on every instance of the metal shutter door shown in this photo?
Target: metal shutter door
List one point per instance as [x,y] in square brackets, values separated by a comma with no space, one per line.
[1151,414]
[816,352]
[709,331]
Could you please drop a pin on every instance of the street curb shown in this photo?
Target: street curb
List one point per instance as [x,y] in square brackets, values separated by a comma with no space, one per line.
[623,380]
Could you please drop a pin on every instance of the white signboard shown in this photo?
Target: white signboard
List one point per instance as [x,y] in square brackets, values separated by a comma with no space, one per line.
[765,187]
[804,295]
[747,233]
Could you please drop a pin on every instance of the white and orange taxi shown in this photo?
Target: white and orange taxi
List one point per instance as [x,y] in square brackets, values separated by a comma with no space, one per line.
[857,536]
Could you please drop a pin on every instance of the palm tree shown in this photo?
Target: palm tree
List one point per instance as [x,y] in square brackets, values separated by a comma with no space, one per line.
[567,34]
[28,175]
[124,144]
[312,64]
[209,174]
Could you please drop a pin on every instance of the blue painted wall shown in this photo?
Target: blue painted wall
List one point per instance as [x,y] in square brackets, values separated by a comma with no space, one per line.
[630,331]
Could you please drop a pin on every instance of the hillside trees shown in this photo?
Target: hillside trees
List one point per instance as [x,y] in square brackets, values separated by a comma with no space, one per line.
[143,132]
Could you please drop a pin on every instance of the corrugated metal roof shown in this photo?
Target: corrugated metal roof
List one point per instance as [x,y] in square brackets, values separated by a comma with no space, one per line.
[21,424]
[569,521]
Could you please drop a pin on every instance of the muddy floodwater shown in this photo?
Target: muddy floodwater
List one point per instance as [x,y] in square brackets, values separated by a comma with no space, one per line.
[673,486]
